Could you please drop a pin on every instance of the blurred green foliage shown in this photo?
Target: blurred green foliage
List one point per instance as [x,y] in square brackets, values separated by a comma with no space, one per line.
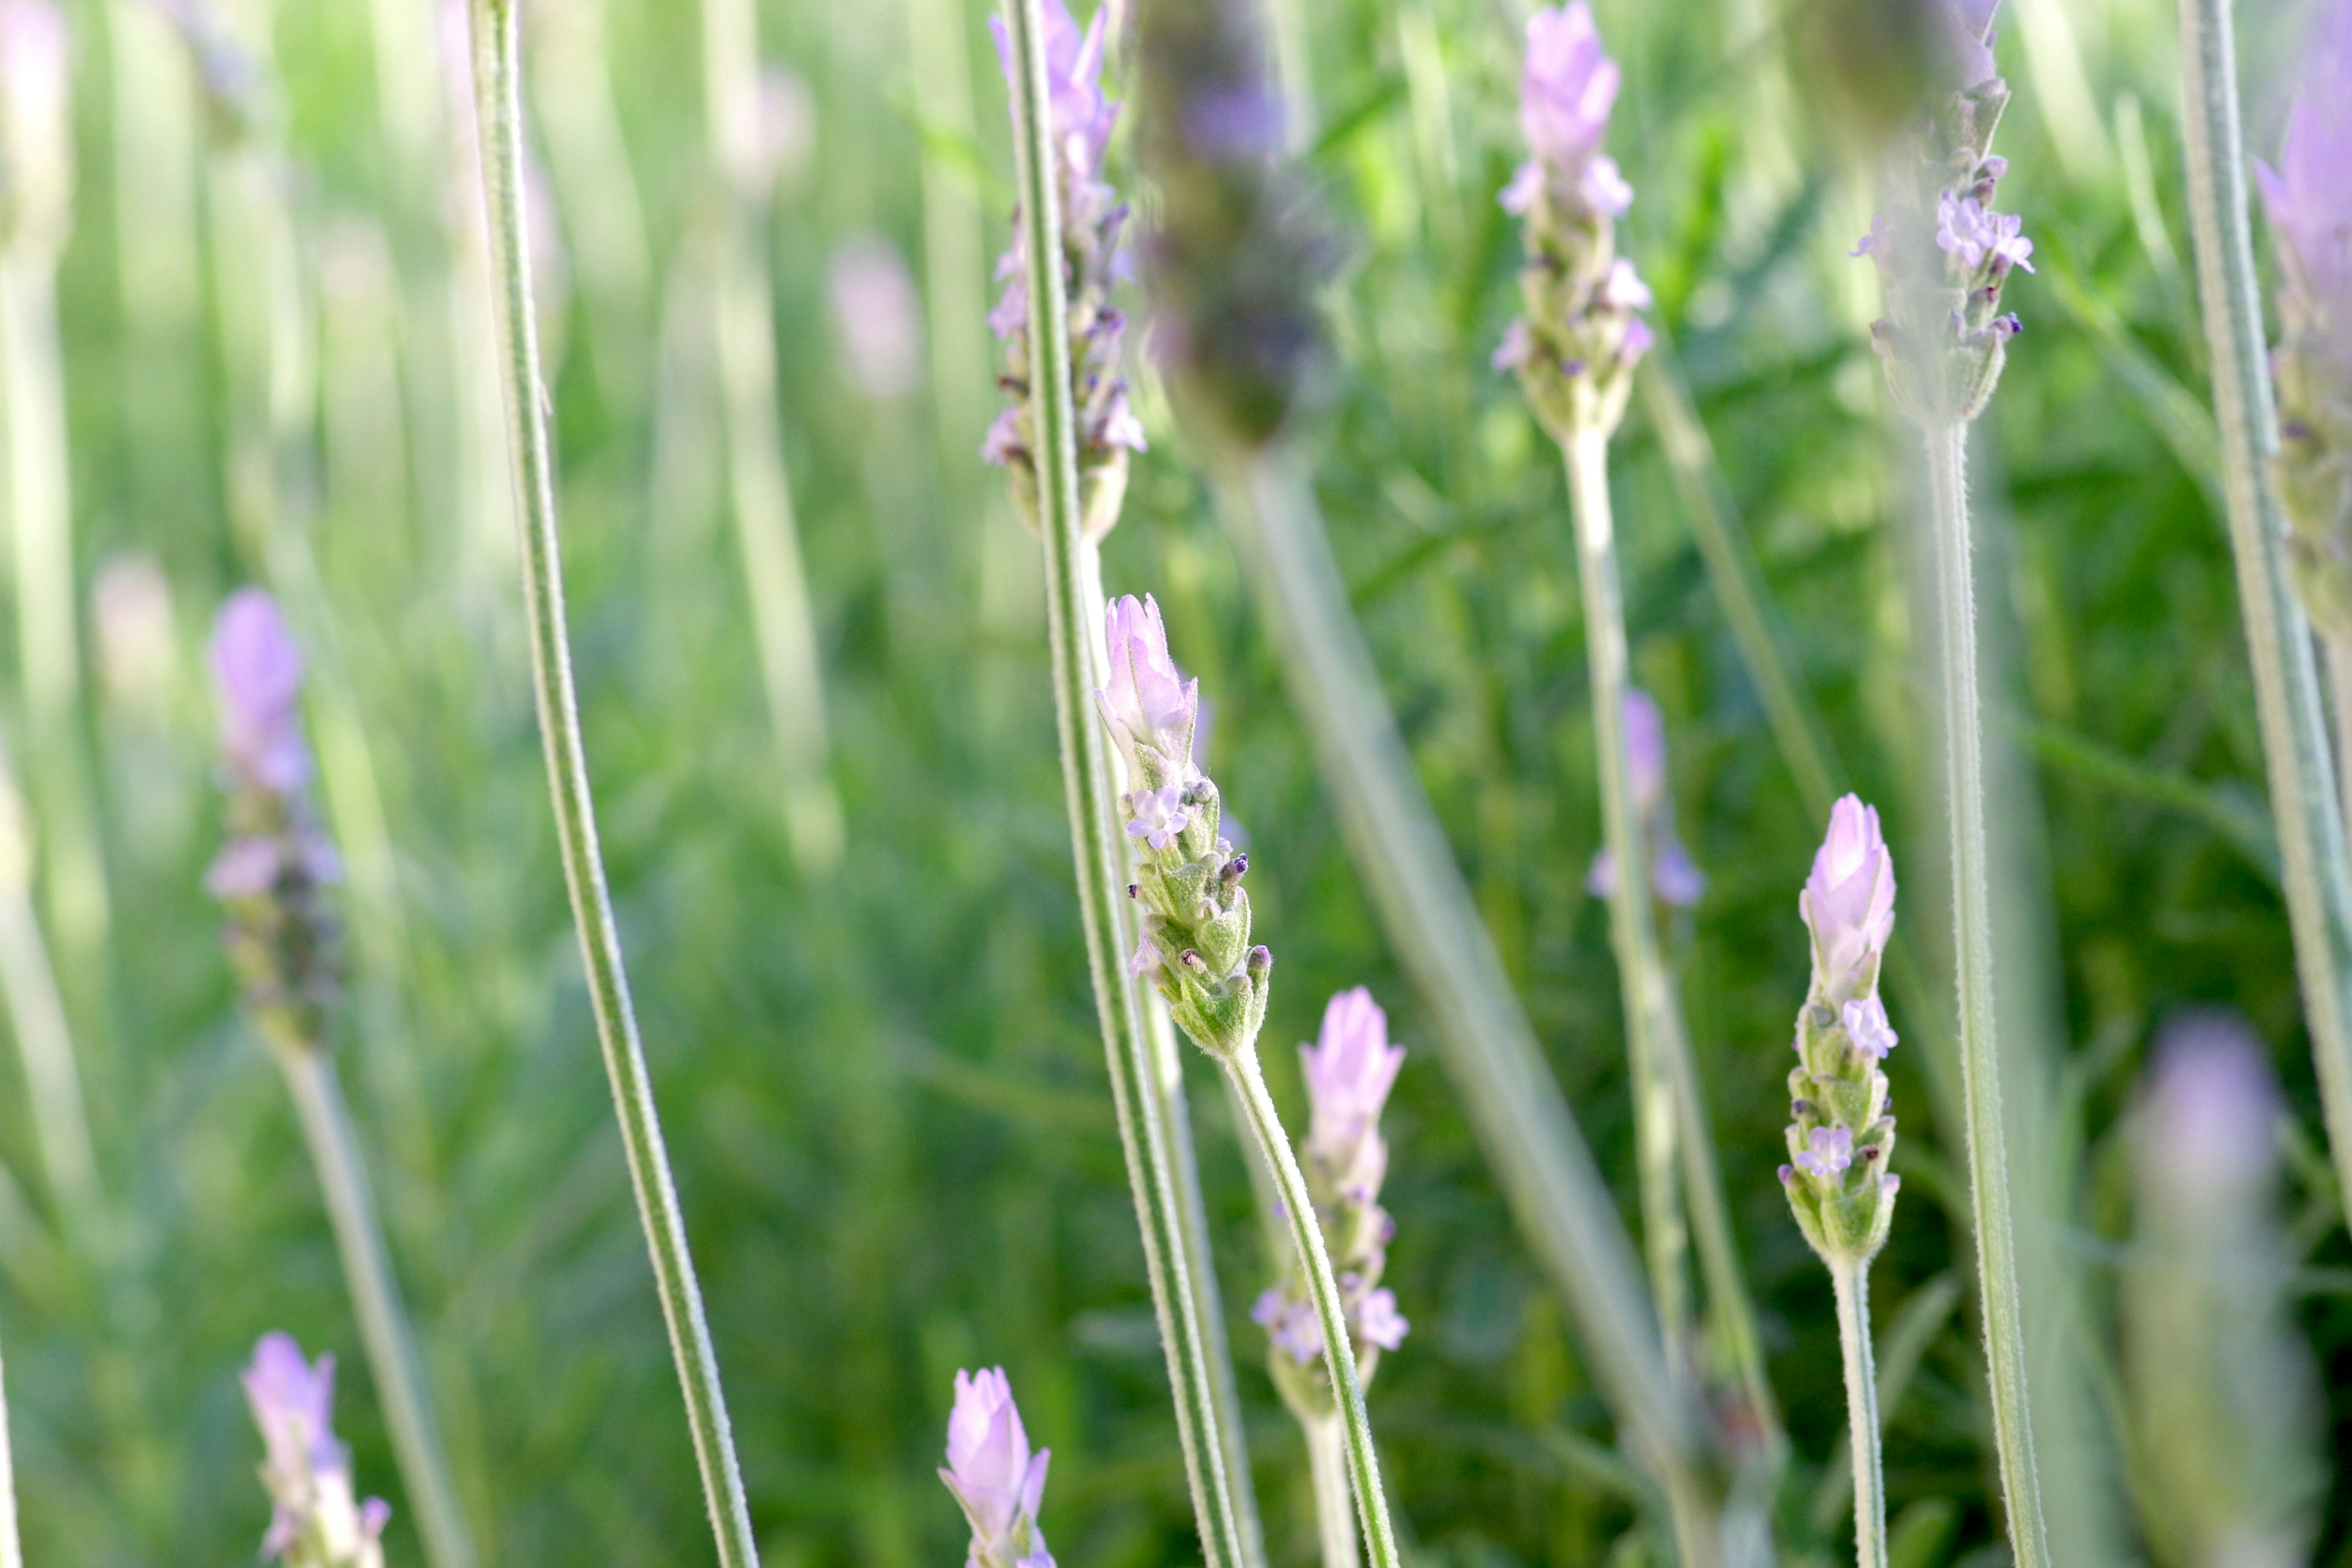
[881,1080]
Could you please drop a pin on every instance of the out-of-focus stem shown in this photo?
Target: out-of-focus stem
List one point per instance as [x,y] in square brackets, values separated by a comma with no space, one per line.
[2278,636]
[1851,1281]
[759,484]
[1989,1167]
[12,1555]
[1326,1465]
[1632,932]
[498,115]
[1179,1291]
[1547,1173]
[36,1013]
[2339,683]
[375,1296]
[1364,1460]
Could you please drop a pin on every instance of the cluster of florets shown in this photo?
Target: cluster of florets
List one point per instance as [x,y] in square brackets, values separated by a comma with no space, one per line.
[273,873]
[1350,1070]
[1575,348]
[997,1480]
[1673,875]
[316,1521]
[1092,217]
[2309,199]
[1944,254]
[1842,1135]
[1195,921]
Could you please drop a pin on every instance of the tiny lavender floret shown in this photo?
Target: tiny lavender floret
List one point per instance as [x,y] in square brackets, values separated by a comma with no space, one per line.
[272,874]
[1350,1070]
[315,1522]
[1942,252]
[1195,924]
[1673,873]
[1092,218]
[2309,199]
[1841,1136]
[994,1476]
[1576,346]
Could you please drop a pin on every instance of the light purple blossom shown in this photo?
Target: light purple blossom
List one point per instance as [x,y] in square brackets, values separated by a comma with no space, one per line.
[1081,117]
[1828,1151]
[1148,705]
[256,669]
[1867,1027]
[1567,90]
[1350,1070]
[1966,25]
[1981,238]
[308,1472]
[1147,958]
[2210,1122]
[881,320]
[2309,194]
[1379,1322]
[1290,1323]
[1160,815]
[995,1478]
[1849,900]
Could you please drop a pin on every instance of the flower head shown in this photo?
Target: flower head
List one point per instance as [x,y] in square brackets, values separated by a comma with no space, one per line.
[995,1478]
[1849,900]
[1567,88]
[257,670]
[1350,1070]
[1148,706]
[314,1522]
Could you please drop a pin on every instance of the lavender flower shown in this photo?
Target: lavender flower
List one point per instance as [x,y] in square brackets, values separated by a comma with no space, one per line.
[1566,91]
[1350,1070]
[272,872]
[36,125]
[1848,902]
[880,319]
[1840,1136]
[1082,120]
[1943,253]
[2309,199]
[1673,873]
[1194,928]
[996,1479]
[315,1522]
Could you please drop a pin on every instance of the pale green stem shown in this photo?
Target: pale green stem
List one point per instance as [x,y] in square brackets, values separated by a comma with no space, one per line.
[2278,636]
[1546,1171]
[1179,1294]
[1850,1280]
[1326,1465]
[1633,930]
[375,1296]
[498,115]
[1315,1263]
[37,1012]
[1988,1165]
[2339,681]
[759,485]
[12,1555]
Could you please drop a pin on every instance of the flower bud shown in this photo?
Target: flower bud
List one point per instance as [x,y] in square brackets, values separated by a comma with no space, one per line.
[997,1480]
[1848,902]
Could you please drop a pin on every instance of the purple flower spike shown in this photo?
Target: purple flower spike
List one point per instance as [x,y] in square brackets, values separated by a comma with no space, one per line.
[1566,92]
[257,670]
[1849,900]
[1082,117]
[995,1478]
[1148,706]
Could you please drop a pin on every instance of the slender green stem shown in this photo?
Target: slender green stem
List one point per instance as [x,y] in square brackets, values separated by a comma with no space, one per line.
[1979,1052]
[1633,928]
[1339,1347]
[1850,1280]
[375,1296]
[1180,1295]
[499,112]
[11,1553]
[2339,683]
[2278,636]
[1544,1168]
[1327,1467]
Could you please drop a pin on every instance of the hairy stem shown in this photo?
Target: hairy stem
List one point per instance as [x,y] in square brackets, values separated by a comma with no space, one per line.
[1633,930]
[1338,1349]
[1180,1295]
[1850,1280]
[2278,637]
[1327,1467]
[375,1296]
[1988,1138]
[1546,1170]
[499,114]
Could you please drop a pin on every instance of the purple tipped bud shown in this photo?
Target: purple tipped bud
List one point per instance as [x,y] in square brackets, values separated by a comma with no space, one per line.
[1147,704]
[999,1482]
[1350,1070]
[1849,900]
[1566,92]
[257,670]
[308,1472]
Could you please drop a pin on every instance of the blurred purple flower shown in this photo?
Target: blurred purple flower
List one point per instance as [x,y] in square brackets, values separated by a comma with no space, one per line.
[1867,1027]
[1350,1070]
[1828,1151]
[1673,873]
[1290,1323]
[1567,88]
[1849,900]
[880,319]
[2212,1116]
[1968,39]
[1160,815]
[2309,194]
[1379,1322]
[256,669]
[995,1478]
[308,1472]
[1147,704]
[1082,118]
[1981,238]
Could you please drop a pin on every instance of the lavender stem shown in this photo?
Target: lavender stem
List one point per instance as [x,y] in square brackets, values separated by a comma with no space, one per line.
[1850,1277]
